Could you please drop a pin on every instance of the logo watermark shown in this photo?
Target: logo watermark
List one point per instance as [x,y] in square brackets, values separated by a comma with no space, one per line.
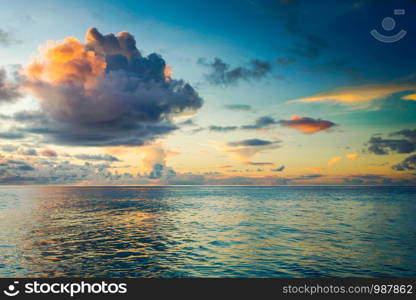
[389,24]
[62,288]
[12,290]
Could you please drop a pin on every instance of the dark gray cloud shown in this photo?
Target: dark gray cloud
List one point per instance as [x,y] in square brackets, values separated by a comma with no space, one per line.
[131,103]
[368,179]
[254,163]
[12,168]
[238,107]
[9,90]
[104,157]
[160,171]
[407,133]
[381,146]
[222,128]
[188,122]
[261,122]
[279,169]
[12,135]
[252,143]
[222,74]
[307,177]
[408,164]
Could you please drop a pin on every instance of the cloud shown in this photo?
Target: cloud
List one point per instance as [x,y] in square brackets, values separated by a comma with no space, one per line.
[160,171]
[261,123]
[48,153]
[381,146]
[279,169]
[251,142]
[307,125]
[285,61]
[411,97]
[153,155]
[245,150]
[368,179]
[303,124]
[407,164]
[9,148]
[10,169]
[105,157]
[28,152]
[11,135]
[408,133]
[238,107]
[222,74]
[188,122]
[253,163]
[105,92]
[307,177]
[9,90]
[352,156]
[359,94]
[7,38]
[222,128]
[334,160]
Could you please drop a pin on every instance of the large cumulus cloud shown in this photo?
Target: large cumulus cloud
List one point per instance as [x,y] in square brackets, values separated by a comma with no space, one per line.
[105,92]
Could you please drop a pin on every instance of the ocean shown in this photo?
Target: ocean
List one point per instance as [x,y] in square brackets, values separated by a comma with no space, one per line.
[207,231]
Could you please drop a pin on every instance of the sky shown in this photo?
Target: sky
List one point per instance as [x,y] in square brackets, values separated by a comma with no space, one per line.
[236,92]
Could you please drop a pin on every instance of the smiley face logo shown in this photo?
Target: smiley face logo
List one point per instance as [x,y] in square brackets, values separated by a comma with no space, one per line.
[12,291]
[389,24]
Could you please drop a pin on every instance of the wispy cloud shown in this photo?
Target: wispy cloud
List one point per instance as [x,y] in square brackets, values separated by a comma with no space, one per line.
[238,107]
[245,150]
[334,160]
[359,94]
[221,73]
[97,157]
[352,156]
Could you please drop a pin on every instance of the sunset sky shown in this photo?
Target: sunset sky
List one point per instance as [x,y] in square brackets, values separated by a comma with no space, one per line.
[238,92]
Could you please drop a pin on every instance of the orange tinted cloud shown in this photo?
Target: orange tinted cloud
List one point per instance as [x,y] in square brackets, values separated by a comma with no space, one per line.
[167,72]
[352,156]
[410,97]
[358,94]
[307,125]
[334,160]
[68,62]
[48,153]
[314,170]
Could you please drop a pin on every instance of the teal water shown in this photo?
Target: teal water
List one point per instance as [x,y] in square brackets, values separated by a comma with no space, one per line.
[208,231]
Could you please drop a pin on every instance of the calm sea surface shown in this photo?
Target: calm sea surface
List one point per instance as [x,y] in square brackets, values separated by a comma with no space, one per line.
[208,231]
